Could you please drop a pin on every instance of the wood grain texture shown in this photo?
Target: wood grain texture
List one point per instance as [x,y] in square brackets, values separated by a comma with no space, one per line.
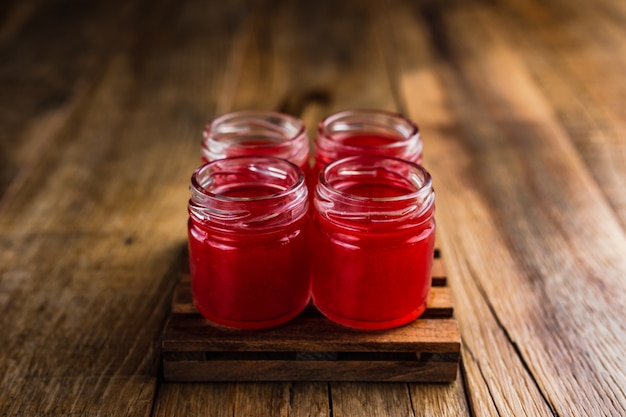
[92,237]
[580,82]
[431,399]
[521,107]
[48,71]
[436,335]
[294,399]
[389,399]
[385,369]
[508,172]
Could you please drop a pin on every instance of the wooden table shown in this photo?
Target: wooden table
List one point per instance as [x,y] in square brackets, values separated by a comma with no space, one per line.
[522,108]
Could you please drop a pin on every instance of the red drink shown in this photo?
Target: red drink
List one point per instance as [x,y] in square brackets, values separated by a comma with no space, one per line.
[373,242]
[249,242]
[366,132]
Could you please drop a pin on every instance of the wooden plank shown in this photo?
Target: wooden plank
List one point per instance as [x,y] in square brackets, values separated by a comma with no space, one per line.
[190,399]
[309,399]
[189,333]
[48,72]
[283,66]
[378,400]
[440,399]
[507,171]
[87,395]
[225,399]
[91,240]
[581,82]
[286,370]
[228,399]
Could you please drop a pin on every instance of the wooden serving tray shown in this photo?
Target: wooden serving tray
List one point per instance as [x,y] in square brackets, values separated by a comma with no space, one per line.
[311,347]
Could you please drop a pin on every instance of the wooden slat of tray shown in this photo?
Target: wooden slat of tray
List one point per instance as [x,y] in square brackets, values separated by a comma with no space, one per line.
[311,347]
[293,370]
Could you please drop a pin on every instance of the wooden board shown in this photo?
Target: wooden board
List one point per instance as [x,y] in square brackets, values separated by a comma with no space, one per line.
[311,347]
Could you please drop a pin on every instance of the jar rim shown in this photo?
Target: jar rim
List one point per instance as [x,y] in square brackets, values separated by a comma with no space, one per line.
[199,186]
[368,114]
[423,190]
[255,115]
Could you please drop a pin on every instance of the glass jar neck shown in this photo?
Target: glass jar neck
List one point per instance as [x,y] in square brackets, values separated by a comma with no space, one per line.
[373,193]
[369,132]
[251,193]
[256,133]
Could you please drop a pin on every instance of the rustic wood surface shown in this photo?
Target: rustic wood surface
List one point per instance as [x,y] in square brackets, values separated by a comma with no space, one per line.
[522,107]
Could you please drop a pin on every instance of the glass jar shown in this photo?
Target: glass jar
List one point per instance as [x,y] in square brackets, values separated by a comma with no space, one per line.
[249,241]
[366,132]
[372,241]
[257,133]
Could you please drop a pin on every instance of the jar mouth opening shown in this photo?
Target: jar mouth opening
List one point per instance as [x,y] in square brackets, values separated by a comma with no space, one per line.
[255,129]
[397,129]
[365,178]
[247,179]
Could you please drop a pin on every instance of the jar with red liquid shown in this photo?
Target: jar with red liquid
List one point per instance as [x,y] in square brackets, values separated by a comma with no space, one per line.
[249,241]
[366,132]
[257,132]
[372,241]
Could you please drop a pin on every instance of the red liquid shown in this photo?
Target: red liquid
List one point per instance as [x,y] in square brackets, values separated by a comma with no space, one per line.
[250,279]
[250,282]
[371,279]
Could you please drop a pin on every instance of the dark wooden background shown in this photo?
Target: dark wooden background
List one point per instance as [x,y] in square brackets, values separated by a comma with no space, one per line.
[522,107]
